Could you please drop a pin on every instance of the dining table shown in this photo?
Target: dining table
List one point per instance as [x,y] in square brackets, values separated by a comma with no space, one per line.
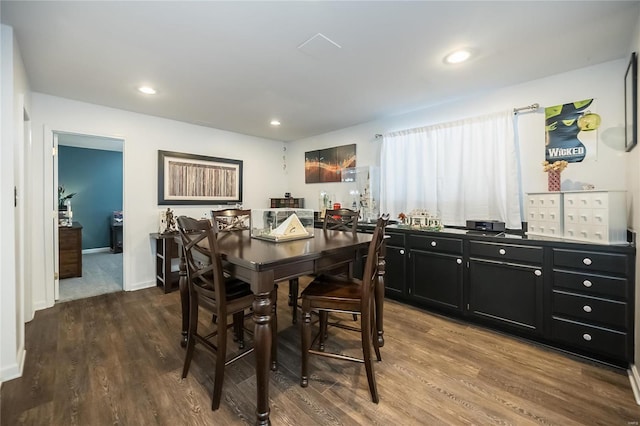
[262,264]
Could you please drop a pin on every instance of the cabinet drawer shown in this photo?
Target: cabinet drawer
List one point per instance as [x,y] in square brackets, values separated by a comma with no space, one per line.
[593,339]
[395,239]
[69,256]
[68,241]
[591,309]
[590,260]
[506,252]
[68,270]
[439,244]
[591,283]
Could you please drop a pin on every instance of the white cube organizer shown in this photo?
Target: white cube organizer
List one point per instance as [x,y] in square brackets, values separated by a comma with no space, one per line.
[596,216]
[544,214]
[589,216]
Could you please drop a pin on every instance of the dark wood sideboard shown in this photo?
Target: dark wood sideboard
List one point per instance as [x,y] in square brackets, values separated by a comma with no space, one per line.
[572,296]
[70,251]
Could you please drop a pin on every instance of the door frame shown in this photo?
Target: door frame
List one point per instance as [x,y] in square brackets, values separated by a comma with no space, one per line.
[52,282]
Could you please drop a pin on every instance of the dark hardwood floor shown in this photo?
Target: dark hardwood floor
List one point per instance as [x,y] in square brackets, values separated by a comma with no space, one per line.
[115,359]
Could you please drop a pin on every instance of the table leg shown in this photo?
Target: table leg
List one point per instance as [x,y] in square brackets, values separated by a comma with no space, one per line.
[262,336]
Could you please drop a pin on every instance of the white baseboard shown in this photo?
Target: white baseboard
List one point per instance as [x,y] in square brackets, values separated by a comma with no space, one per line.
[96,250]
[14,370]
[634,379]
[140,286]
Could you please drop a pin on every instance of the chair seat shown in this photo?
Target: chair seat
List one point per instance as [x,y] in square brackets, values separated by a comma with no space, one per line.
[336,291]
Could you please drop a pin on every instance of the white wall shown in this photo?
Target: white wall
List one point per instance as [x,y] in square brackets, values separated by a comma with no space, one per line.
[15,100]
[633,187]
[143,136]
[603,82]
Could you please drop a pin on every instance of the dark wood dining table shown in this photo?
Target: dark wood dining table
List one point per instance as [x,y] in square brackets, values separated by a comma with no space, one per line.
[263,263]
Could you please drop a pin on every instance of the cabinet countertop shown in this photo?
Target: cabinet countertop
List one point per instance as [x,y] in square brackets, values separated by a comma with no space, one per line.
[506,237]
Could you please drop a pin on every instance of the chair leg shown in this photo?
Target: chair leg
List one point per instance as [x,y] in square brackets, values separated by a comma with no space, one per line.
[193,329]
[306,345]
[324,320]
[293,299]
[367,334]
[274,329]
[221,356]
[238,328]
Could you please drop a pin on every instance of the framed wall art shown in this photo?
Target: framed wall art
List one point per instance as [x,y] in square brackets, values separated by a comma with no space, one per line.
[197,179]
[631,103]
[326,165]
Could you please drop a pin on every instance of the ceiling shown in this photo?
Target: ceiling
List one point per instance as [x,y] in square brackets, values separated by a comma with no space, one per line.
[317,66]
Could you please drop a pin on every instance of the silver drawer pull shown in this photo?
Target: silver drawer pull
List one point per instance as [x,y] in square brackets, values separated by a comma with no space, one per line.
[459,261]
[587,283]
[586,308]
[433,244]
[586,337]
[401,251]
[586,261]
[502,251]
[537,272]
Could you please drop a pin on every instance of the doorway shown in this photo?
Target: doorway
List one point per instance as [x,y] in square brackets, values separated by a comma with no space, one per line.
[90,185]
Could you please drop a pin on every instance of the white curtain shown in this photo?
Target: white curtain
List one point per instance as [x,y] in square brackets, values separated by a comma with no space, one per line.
[467,169]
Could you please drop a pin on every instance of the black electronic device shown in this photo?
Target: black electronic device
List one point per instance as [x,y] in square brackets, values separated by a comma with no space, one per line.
[486,225]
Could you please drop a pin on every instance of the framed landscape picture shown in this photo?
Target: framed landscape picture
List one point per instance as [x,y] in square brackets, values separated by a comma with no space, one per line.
[326,165]
[198,179]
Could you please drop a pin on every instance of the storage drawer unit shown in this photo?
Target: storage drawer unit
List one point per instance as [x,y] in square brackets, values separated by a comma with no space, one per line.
[544,214]
[591,302]
[596,216]
[70,251]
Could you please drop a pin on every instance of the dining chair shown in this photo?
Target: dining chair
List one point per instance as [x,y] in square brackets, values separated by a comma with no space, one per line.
[341,220]
[231,219]
[335,293]
[211,290]
[334,220]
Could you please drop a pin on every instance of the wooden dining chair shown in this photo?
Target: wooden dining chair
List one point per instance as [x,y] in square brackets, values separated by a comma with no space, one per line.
[231,219]
[341,220]
[211,290]
[334,293]
[334,220]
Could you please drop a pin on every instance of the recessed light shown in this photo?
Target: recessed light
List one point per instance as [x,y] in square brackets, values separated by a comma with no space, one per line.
[147,90]
[457,56]
[275,123]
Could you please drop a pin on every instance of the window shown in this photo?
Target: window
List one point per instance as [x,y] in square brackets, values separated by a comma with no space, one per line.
[467,169]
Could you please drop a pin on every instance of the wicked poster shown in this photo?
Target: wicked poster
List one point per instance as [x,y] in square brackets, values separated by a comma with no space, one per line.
[570,132]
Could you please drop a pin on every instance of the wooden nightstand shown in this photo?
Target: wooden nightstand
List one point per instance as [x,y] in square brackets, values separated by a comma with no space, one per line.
[70,251]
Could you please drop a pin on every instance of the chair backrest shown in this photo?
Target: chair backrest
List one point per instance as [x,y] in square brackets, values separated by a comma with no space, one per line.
[231,219]
[370,275]
[341,220]
[204,265]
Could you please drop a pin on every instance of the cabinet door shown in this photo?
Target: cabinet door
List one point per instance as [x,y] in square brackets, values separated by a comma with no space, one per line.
[506,294]
[436,279]
[395,272]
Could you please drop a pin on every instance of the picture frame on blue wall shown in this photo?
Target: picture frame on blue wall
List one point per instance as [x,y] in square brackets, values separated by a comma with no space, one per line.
[631,103]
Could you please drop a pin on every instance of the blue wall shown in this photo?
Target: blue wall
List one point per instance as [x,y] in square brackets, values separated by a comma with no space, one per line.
[96,177]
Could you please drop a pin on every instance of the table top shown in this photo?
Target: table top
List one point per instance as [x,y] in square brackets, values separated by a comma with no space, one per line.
[239,248]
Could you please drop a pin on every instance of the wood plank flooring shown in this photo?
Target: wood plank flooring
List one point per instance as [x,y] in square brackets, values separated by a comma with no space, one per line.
[115,359]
